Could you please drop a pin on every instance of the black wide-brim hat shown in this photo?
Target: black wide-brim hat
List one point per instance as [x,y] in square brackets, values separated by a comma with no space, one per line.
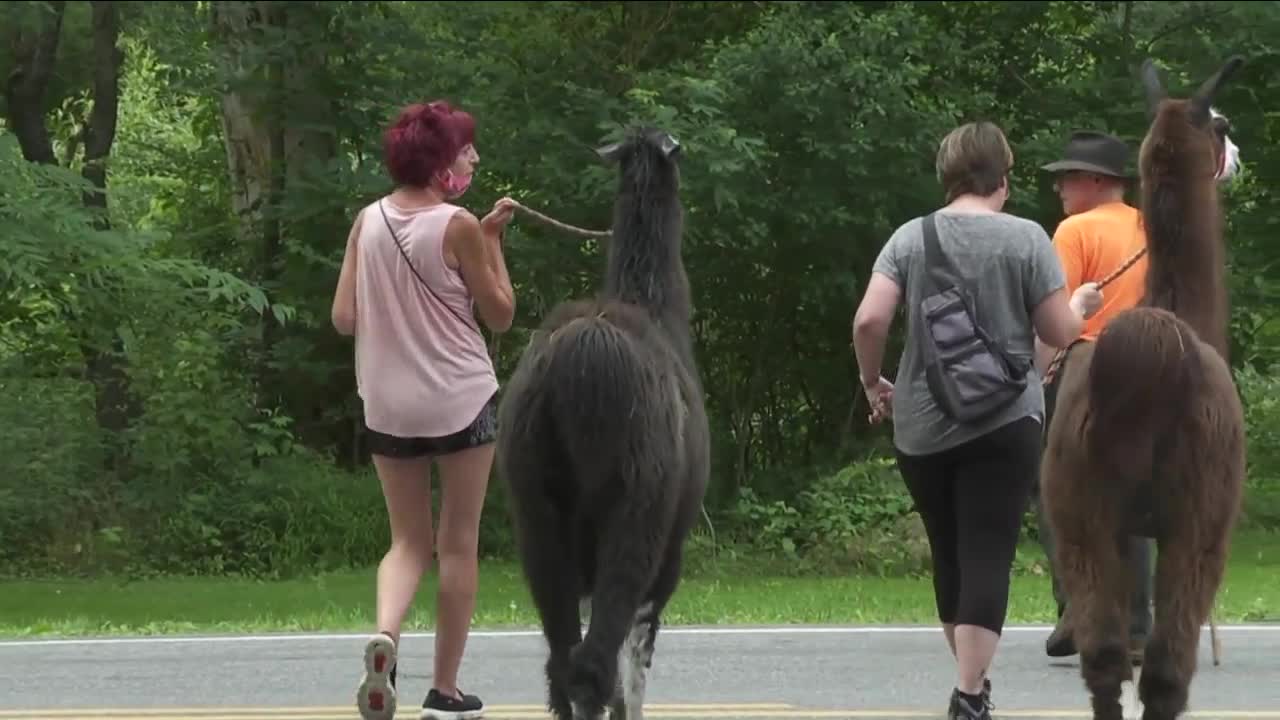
[1094,152]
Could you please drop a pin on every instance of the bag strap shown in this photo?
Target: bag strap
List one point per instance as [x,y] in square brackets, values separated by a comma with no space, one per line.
[939,270]
[937,264]
[414,268]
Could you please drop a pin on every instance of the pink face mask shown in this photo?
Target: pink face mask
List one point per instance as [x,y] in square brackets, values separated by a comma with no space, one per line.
[455,185]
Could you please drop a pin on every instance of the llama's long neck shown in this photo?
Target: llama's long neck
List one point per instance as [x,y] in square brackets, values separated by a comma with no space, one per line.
[1186,272]
[644,266]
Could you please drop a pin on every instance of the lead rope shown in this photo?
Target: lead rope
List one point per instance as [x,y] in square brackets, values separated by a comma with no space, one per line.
[496,343]
[573,229]
[1058,357]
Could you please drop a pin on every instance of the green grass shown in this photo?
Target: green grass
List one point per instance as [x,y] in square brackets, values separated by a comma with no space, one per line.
[344,601]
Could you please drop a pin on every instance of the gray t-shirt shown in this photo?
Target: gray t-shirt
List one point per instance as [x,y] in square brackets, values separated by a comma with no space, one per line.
[1009,265]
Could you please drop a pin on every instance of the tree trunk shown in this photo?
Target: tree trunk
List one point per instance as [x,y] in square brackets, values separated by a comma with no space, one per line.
[106,362]
[105,359]
[25,87]
[744,408]
[254,145]
[267,150]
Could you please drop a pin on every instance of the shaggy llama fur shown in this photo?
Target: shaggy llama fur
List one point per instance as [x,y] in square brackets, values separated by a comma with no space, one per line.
[605,448]
[1148,435]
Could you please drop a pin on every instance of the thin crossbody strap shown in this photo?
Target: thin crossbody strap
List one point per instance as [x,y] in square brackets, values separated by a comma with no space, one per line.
[414,268]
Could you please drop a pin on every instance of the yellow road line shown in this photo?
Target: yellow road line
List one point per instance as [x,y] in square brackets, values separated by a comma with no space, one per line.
[330,709]
[496,712]
[530,712]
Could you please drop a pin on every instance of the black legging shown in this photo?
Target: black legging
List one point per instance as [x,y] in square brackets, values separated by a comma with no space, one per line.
[972,499]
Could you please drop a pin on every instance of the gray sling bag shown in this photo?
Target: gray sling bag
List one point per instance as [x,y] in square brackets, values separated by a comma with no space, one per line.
[970,375]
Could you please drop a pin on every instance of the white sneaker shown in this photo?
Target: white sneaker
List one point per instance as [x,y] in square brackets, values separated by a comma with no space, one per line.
[376,698]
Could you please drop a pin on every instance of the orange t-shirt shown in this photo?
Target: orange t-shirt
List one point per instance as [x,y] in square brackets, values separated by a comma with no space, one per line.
[1091,245]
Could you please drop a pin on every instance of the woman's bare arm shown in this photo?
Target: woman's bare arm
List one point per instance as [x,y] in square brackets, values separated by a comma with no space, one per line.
[343,313]
[871,325]
[483,269]
[1058,319]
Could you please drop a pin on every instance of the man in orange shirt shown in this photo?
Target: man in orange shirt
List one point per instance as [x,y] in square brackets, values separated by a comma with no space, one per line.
[1100,233]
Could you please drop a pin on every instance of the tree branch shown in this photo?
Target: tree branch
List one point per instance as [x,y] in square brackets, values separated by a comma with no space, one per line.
[100,130]
[107,60]
[1194,19]
[26,85]
[1126,24]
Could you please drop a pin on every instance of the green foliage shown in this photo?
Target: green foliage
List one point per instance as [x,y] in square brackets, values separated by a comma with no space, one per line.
[1261,396]
[57,258]
[50,489]
[242,154]
[858,518]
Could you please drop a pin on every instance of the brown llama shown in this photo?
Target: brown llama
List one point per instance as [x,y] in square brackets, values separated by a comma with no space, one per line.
[1148,435]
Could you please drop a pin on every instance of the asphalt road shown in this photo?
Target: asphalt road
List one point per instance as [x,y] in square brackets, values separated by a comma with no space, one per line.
[732,672]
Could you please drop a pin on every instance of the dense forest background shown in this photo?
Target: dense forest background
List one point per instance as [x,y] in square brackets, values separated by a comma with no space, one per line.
[177,181]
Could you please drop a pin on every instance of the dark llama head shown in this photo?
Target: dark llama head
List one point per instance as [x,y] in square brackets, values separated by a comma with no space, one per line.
[1179,161]
[644,264]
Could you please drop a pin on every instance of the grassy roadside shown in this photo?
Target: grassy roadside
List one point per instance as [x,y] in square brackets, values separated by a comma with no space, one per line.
[344,601]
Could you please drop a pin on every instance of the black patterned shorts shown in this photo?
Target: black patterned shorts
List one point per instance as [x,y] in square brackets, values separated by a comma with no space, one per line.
[481,431]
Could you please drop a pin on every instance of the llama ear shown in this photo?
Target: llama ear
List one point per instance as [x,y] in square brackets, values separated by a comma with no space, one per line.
[1151,84]
[1204,97]
[610,152]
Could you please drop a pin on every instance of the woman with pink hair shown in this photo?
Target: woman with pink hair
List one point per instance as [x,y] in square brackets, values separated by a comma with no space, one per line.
[417,271]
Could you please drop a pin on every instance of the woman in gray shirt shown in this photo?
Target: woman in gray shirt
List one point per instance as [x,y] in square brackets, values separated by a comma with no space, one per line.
[970,480]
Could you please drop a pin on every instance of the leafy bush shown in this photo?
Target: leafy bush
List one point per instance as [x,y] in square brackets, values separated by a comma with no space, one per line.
[858,518]
[1261,396]
[51,481]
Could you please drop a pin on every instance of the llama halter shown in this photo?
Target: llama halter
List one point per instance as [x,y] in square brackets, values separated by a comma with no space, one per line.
[1229,165]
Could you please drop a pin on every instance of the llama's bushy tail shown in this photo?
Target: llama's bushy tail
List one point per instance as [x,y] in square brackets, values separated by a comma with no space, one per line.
[1145,366]
[607,394]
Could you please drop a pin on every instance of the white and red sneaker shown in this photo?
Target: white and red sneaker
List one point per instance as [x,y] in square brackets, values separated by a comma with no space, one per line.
[376,698]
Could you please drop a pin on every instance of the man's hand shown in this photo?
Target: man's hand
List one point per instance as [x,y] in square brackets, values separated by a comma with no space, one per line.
[496,221]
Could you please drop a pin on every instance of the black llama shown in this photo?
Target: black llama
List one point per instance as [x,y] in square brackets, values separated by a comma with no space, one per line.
[605,447]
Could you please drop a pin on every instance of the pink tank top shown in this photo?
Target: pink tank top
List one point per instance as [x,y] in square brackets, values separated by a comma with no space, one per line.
[420,370]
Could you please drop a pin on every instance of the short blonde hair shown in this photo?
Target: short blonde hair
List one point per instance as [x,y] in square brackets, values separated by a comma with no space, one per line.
[973,158]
